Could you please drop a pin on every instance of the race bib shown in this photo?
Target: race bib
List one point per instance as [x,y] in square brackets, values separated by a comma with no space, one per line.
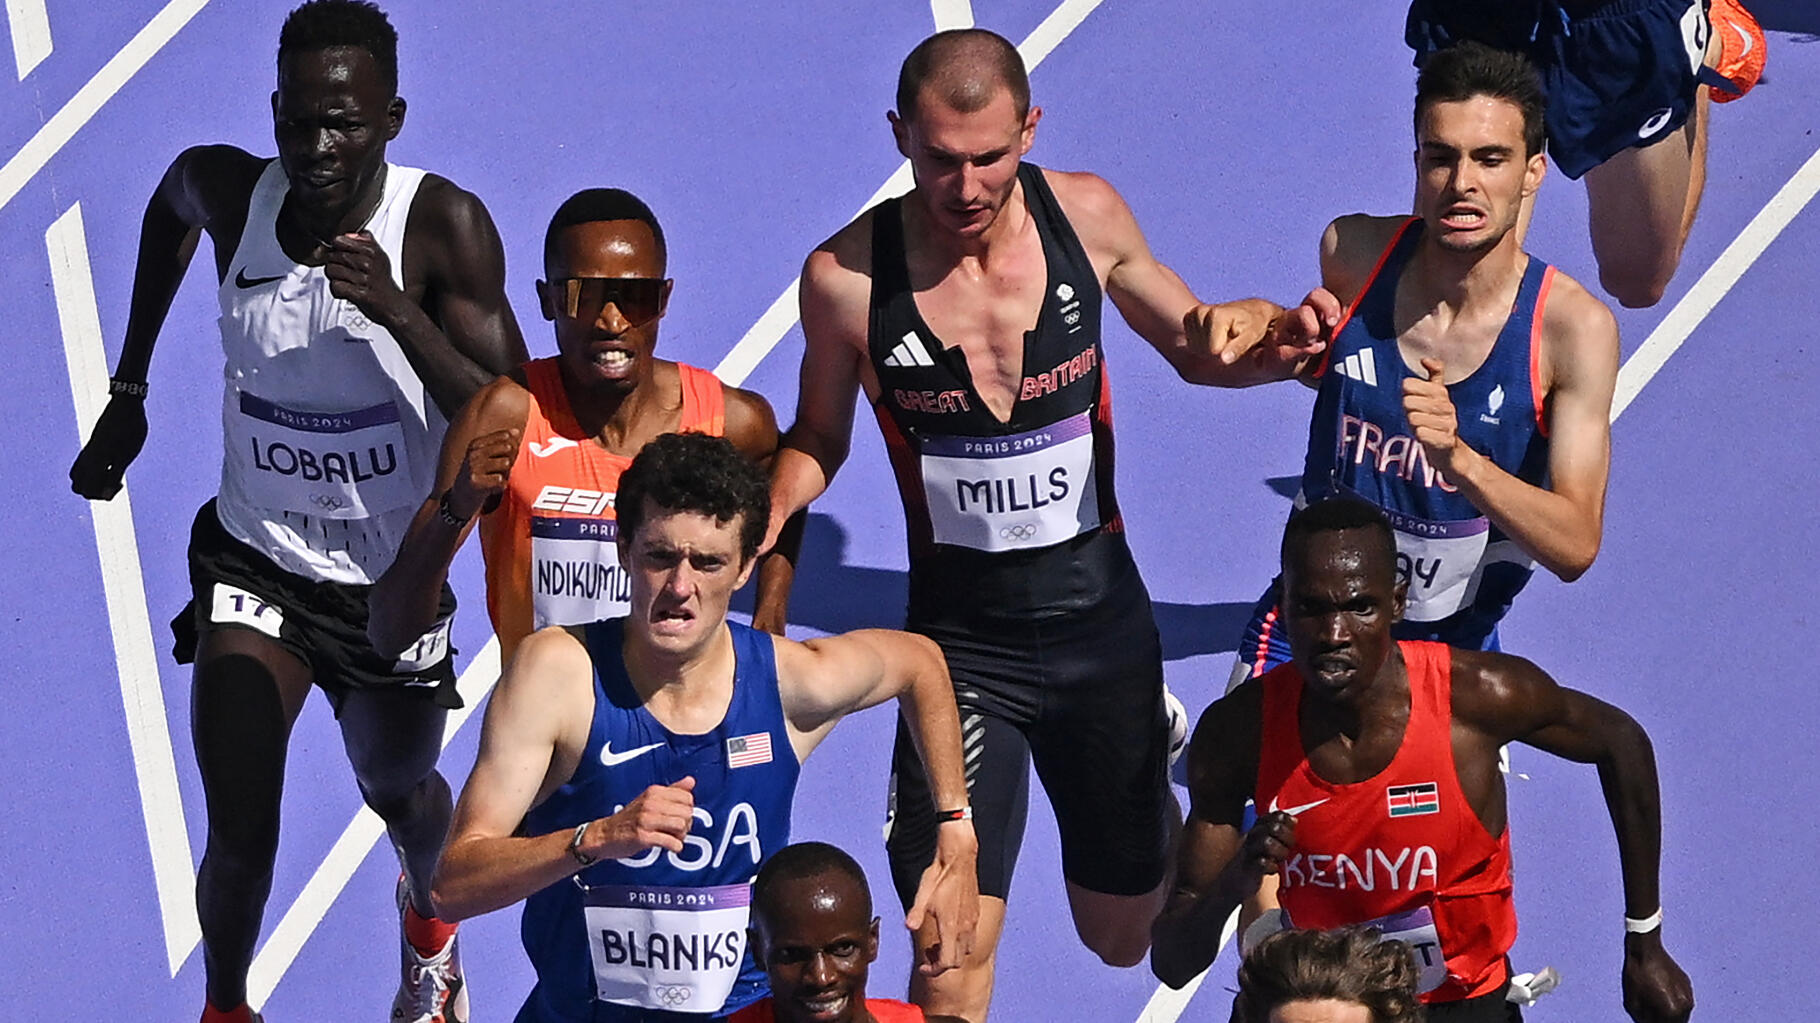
[678,949]
[1441,560]
[575,572]
[1010,493]
[1417,928]
[427,652]
[336,465]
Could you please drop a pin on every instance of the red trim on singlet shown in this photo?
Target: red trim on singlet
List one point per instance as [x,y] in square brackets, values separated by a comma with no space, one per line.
[1346,317]
[909,471]
[1535,352]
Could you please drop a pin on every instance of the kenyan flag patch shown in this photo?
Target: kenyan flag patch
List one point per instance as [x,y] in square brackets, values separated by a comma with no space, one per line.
[1414,800]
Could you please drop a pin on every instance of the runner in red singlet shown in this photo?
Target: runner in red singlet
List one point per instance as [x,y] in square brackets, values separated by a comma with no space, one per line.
[1375,764]
[540,450]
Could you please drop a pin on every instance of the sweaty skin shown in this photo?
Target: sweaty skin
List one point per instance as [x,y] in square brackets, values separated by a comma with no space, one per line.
[1341,598]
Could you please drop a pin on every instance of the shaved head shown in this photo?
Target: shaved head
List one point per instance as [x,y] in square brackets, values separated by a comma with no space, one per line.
[965,68]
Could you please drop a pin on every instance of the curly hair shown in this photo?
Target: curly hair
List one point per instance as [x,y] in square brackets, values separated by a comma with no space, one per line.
[1347,965]
[697,473]
[320,24]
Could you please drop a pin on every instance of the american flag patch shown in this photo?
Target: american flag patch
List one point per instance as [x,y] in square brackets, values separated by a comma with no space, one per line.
[1414,800]
[748,750]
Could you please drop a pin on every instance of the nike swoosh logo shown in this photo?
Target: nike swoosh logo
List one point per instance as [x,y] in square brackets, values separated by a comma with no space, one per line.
[241,280]
[556,444]
[612,759]
[1296,811]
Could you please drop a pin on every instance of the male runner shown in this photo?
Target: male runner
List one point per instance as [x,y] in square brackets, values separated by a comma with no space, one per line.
[969,312]
[635,773]
[1626,108]
[1349,975]
[361,302]
[1378,763]
[540,450]
[1468,388]
[814,935]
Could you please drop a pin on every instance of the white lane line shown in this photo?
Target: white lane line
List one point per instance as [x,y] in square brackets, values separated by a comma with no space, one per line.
[1637,371]
[781,316]
[1712,286]
[350,850]
[31,27]
[148,731]
[63,125]
[951,14]
[363,832]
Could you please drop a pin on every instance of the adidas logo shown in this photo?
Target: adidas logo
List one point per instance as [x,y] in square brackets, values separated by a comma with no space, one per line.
[1359,366]
[909,352]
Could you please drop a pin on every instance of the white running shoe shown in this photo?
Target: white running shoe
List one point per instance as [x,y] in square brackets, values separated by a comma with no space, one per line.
[430,990]
[1525,988]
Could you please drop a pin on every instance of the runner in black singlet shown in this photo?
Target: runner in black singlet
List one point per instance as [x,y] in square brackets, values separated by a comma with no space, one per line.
[1000,435]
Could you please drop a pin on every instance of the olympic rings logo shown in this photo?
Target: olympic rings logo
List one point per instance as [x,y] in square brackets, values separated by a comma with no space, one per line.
[1021,531]
[328,502]
[673,995]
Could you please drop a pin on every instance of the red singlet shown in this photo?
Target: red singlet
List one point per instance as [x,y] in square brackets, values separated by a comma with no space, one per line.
[1403,851]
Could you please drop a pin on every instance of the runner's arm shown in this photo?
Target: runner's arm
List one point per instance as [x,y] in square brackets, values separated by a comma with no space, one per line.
[1229,344]
[823,680]
[464,334]
[405,601]
[202,184]
[1561,526]
[834,299]
[752,428]
[1218,865]
[1509,699]
[543,700]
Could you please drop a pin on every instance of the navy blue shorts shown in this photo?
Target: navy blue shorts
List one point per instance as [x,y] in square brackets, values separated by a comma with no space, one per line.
[1620,74]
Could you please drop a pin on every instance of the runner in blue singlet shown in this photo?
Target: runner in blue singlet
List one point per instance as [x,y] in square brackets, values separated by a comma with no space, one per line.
[652,760]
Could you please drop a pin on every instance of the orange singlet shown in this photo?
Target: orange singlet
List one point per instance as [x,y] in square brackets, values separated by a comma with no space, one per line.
[884,1010]
[1402,851]
[549,546]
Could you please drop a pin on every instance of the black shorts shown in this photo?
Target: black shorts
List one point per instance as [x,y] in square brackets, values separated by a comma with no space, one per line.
[324,624]
[1625,73]
[1081,694]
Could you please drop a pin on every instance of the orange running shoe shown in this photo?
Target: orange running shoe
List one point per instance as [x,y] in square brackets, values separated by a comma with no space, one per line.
[1741,49]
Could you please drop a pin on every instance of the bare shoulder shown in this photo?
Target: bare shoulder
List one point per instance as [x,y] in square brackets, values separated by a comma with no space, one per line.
[751,424]
[452,213]
[1497,692]
[1085,196]
[551,670]
[1574,318]
[837,277]
[213,183]
[1225,742]
[503,404]
[1351,247]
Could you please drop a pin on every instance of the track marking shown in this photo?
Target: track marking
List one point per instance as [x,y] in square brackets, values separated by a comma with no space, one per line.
[350,850]
[1166,1006]
[951,14]
[31,27]
[1713,285]
[782,314]
[147,729]
[63,125]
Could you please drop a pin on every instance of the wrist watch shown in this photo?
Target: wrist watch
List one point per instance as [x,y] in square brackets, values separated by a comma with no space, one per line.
[581,831]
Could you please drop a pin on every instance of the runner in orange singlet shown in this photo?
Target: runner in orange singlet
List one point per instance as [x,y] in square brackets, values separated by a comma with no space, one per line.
[539,451]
